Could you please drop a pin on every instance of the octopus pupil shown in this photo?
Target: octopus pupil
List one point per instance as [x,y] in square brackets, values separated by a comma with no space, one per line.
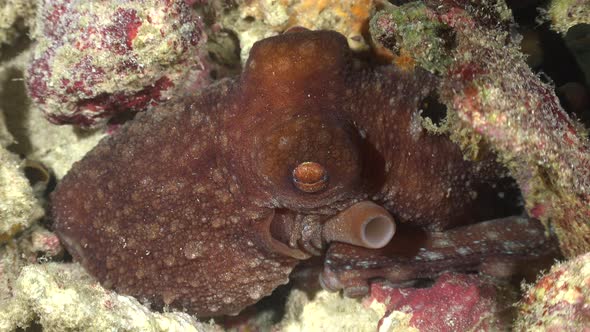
[310,177]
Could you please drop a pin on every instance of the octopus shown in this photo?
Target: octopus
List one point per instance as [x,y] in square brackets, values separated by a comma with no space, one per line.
[208,203]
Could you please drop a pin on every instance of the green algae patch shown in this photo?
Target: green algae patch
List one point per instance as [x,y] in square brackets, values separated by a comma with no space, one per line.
[415,29]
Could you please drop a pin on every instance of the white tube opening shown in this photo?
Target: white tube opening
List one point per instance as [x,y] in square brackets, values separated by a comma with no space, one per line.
[378,231]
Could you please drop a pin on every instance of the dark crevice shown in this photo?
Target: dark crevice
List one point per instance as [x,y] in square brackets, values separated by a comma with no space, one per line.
[14,103]
[15,47]
[433,109]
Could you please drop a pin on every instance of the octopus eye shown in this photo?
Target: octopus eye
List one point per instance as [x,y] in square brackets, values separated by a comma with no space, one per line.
[310,177]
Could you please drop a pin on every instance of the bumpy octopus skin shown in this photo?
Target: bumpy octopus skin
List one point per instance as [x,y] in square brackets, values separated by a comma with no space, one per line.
[208,204]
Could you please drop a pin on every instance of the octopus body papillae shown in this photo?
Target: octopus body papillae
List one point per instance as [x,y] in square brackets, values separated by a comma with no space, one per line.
[208,204]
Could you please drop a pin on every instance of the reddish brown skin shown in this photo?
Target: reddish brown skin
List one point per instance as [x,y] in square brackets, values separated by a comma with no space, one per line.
[193,204]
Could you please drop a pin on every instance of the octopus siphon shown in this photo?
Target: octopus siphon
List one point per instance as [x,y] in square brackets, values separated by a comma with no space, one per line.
[209,202]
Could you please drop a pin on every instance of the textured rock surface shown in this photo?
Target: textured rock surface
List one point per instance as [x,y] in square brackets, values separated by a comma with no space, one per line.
[456,302]
[560,300]
[18,206]
[63,297]
[564,14]
[494,99]
[28,133]
[35,245]
[58,147]
[16,17]
[11,263]
[259,19]
[95,59]
[329,312]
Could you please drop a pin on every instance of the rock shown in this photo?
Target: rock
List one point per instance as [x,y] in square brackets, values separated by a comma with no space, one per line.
[96,59]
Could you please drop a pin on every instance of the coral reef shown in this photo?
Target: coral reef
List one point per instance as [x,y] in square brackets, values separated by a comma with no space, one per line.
[559,301]
[16,17]
[95,59]
[11,263]
[493,97]
[259,19]
[564,14]
[34,245]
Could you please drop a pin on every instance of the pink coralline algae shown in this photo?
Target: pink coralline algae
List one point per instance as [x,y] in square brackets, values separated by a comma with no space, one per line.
[456,302]
[95,59]
[46,242]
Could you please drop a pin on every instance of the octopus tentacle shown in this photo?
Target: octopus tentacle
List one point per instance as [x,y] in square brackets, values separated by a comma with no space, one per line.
[494,247]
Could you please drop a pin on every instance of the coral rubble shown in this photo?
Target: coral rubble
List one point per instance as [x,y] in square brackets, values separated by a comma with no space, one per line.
[94,59]
[18,206]
[329,312]
[63,297]
[456,302]
[58,147]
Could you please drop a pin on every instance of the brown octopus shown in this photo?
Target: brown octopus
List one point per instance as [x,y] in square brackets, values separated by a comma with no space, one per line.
[208,204]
